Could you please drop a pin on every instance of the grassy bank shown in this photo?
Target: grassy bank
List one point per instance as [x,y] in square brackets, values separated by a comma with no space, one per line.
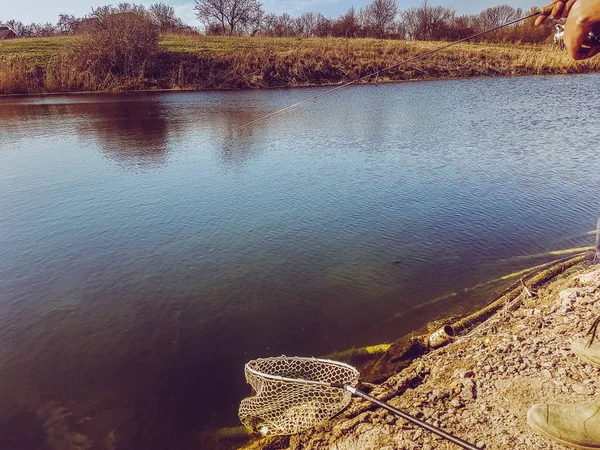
[200,62]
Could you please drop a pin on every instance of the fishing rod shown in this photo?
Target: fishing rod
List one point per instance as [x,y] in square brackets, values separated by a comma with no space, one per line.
[546,10]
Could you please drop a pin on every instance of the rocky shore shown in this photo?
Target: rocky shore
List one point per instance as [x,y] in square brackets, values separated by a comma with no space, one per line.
[480,386]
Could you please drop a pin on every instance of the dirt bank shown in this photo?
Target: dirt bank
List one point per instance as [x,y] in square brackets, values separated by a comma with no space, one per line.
[481,385]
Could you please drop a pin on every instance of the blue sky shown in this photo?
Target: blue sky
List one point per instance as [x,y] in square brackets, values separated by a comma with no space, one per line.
[48,11]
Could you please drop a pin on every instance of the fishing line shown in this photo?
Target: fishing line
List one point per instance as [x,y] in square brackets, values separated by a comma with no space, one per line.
[545,10]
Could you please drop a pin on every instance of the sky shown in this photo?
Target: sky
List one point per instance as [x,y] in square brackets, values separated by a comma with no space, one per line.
[48,10]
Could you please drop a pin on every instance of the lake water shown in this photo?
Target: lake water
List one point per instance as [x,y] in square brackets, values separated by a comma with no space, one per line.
[149,247]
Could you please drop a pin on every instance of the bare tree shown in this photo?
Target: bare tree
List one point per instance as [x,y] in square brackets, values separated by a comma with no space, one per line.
[41,30]
[306,24]
[323,27]
[16,27]
[299,27]
[462,27]
[164,18]
[279,26]
[129,8]
[285,25]
[498,15]
[268,24]
[232,15]
[379,16]
[67,24]
[428,22]
[347,25]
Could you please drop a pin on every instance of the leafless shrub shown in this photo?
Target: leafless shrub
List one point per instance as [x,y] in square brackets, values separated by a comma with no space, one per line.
[67,24]
[120,42]
[164,17]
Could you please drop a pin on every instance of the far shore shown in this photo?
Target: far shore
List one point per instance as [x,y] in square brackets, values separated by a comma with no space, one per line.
[201,63]
[270,88]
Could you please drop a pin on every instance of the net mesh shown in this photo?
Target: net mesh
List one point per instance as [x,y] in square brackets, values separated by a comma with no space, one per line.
[296,404]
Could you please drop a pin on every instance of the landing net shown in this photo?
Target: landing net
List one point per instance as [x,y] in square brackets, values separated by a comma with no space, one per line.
[294,394]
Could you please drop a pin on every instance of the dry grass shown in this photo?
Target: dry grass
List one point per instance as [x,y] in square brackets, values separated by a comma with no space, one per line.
[200,62]
[38,50]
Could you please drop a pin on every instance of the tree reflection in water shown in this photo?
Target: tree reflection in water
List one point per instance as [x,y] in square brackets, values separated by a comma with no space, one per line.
[140,130]
[133,133]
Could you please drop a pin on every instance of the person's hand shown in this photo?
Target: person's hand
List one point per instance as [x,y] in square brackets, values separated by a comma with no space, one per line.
[561,11]
[583,18]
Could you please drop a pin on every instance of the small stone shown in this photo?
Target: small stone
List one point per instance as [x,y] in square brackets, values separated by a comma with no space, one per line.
[568,295]
[460,373]
[467,394]
[455,403]
[589,278]
[436,394]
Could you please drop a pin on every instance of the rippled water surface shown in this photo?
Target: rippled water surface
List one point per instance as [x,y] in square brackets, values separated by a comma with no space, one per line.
[149,247]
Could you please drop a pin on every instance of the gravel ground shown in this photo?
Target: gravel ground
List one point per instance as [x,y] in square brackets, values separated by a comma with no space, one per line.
[481,386]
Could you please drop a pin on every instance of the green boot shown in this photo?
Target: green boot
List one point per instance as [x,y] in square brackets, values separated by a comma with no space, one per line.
[588,352]
[574,426]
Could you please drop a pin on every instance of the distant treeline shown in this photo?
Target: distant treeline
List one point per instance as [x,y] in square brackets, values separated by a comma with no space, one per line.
[162,16]
[379,19]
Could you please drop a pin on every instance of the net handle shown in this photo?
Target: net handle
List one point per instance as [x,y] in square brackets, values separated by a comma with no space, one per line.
[300,381]
[347,387]
[409,418]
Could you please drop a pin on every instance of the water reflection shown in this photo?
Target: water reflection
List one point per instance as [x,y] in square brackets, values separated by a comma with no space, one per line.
[131,133]
[140,131]
[134,133]
[237,142]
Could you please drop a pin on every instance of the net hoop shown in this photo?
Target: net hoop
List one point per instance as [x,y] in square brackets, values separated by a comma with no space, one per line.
[249,369]
[295,394]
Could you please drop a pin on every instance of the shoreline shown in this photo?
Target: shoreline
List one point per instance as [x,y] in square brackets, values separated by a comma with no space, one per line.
[278,88]
[432,386]
[380,361]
